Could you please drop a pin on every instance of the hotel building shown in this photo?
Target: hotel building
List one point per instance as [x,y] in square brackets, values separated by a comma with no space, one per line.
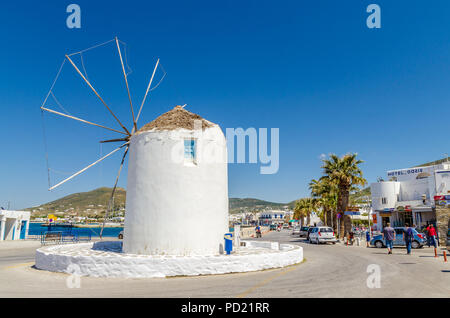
[409,196]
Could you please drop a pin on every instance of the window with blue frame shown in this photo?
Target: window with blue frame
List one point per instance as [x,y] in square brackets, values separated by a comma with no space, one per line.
[189,150]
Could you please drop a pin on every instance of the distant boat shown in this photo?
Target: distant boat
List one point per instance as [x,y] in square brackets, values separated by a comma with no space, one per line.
[58,224]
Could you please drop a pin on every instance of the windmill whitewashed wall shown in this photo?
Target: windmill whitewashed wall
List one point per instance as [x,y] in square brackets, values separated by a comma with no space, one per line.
[177,200]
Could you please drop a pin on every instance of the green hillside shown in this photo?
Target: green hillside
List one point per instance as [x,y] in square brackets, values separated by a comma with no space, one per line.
[85,203]
[237,204]
[436,162]
[360,196]
[96,201]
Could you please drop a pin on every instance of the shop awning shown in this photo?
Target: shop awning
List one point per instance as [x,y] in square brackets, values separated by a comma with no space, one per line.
[422,209]
[412,206]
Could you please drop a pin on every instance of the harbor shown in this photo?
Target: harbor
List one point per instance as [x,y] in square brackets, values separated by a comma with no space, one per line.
[93,229]
[82,225]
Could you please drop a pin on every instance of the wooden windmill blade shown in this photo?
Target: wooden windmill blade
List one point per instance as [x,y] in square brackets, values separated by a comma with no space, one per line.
[126,83]
[97,94]
[80,119]
[87,167]
[115,140]
[146,92]
[111,199]
[125,131]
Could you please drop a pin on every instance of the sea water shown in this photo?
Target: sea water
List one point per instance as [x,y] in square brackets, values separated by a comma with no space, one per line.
[37,229]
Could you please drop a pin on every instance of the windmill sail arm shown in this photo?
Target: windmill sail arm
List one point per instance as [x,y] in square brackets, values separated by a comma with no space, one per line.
[148,88]
[115,140]
[111,199]
[82,120]
[87,167]
[126,83]
[97,94]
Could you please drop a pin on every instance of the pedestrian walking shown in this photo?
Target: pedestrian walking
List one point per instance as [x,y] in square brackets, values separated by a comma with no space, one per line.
[389,237]
[351,236]
[431,230]
[408,237]
[258,231]
[367,238]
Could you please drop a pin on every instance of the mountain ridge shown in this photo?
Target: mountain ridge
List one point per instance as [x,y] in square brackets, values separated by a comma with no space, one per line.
[96,202]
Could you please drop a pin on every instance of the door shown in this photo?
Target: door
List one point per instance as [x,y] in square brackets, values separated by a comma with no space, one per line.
[399,237]
[384,221]
[314,234]
[407,218]
[23,229]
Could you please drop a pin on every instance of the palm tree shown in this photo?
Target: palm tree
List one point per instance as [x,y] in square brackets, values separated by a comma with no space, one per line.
[303,208]
[299,212]
[344,173]
[325,194]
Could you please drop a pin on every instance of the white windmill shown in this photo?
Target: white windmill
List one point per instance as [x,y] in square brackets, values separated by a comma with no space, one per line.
[177,201]
[125,133]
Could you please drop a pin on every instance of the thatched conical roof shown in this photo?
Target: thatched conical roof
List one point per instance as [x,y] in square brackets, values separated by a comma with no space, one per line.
[176,118]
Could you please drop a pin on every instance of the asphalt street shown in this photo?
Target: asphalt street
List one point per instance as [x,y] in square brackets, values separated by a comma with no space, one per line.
[328,271]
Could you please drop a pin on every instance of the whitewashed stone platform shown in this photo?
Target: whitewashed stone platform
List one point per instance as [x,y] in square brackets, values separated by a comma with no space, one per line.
[105,259]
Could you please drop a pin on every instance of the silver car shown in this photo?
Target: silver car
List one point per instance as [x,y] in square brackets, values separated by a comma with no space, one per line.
[304,231]
[322,234]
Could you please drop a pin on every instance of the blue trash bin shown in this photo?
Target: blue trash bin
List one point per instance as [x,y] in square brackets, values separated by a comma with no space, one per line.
[228,242]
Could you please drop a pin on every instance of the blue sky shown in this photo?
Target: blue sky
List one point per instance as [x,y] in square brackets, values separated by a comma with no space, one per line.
[310,68]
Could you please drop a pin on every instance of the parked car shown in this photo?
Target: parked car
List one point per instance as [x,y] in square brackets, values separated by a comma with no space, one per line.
[120,236]
[304,231]
[322,234]
[296,230]
[418,242]
[285,225]
[273,227]
[309,231]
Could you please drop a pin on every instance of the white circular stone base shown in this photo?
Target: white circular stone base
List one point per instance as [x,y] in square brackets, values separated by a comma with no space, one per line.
[105,259]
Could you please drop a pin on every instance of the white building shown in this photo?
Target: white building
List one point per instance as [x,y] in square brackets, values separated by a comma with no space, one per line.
[177,192]
[314,219]
[272,217]
[275,216]
[14,225]
[409,195]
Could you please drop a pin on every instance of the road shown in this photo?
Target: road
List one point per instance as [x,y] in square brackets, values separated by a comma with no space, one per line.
[328,271]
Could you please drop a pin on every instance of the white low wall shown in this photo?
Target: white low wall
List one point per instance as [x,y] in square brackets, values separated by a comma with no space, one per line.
[82,260]
[248,232]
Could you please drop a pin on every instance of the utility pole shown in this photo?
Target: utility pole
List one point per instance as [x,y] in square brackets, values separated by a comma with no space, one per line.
[369,206]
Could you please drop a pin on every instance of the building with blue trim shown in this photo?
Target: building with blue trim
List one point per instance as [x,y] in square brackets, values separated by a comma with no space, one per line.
[14,225]
[409,196]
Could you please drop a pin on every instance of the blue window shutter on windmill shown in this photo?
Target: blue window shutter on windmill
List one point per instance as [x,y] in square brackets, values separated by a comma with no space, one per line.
[189,149]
